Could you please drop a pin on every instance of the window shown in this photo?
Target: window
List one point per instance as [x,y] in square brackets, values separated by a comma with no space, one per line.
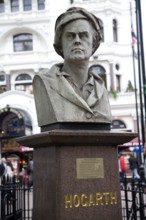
[11,124]
[118,124]
[23,76]
[100,71]
[117,66]
[27,5]
[14,5]
[2,78]
[115,31]
[22,42]
[2,6]
[26,85]
[118,83]
[2,83]
[3,88]
[25,88]
[41,4]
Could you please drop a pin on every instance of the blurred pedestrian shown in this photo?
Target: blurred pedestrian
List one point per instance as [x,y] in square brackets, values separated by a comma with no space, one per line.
[133,163]
[30,171]
[25,177]
[10,169]
[2,167]
[122,167]
[7,168]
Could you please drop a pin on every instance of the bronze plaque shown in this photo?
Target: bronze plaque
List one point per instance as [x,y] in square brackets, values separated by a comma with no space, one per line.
[89,168]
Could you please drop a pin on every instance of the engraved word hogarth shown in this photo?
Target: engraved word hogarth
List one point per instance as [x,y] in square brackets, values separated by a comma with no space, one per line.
[68,92]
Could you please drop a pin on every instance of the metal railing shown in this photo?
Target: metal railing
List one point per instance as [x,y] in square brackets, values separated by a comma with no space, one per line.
[133,197]
[16,199]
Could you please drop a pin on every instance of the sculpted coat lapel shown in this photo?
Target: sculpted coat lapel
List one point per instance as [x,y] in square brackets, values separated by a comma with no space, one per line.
[66,91]
[57,101]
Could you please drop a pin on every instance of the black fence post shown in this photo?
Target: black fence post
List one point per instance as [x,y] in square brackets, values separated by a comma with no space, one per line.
[126,197]
[14,200]
[141,200]
[133,199]
[2,203]
[2,198]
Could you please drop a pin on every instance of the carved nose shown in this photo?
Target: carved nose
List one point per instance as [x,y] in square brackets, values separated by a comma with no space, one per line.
[77,38]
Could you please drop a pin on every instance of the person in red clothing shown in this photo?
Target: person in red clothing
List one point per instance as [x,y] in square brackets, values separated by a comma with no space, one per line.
[122,167]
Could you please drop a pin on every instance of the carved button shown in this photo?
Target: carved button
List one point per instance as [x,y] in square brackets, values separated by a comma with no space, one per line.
[88,115]
[95,114]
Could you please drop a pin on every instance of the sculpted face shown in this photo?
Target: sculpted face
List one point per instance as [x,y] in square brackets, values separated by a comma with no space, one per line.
[77,40]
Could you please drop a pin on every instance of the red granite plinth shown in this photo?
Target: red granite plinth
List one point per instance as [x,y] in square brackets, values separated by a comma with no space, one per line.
[60,192]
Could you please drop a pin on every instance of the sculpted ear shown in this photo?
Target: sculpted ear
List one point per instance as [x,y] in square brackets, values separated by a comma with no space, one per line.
[58,49]
[96,41]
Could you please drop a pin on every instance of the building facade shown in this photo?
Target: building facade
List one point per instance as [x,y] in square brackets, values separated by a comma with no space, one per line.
[26,39]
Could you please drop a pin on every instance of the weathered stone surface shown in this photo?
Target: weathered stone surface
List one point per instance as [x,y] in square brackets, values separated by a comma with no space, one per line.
[69,92]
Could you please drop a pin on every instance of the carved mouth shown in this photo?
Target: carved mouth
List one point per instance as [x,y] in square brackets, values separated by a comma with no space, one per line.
[77,49]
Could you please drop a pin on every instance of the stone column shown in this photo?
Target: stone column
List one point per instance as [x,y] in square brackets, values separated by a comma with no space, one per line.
[76,174]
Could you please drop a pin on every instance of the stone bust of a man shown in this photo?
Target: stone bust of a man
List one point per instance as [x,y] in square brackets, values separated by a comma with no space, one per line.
[68,92]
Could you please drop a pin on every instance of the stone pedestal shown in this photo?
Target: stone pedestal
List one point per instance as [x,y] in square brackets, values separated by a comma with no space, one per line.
[76,174]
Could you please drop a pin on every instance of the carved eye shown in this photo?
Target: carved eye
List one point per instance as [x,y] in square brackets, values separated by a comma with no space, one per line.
[70,35]
[84,35]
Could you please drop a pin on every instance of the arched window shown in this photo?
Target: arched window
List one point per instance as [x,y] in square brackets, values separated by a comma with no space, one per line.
[41,4]
[27,5]
[14,122]
[118,124]
[14,5]
[102,30]
[115,31]
[23,42]
[99,70]
[23,82]
[23,76]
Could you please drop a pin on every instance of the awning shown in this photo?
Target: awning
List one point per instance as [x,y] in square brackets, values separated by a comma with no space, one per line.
[25,149]
[134,145]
